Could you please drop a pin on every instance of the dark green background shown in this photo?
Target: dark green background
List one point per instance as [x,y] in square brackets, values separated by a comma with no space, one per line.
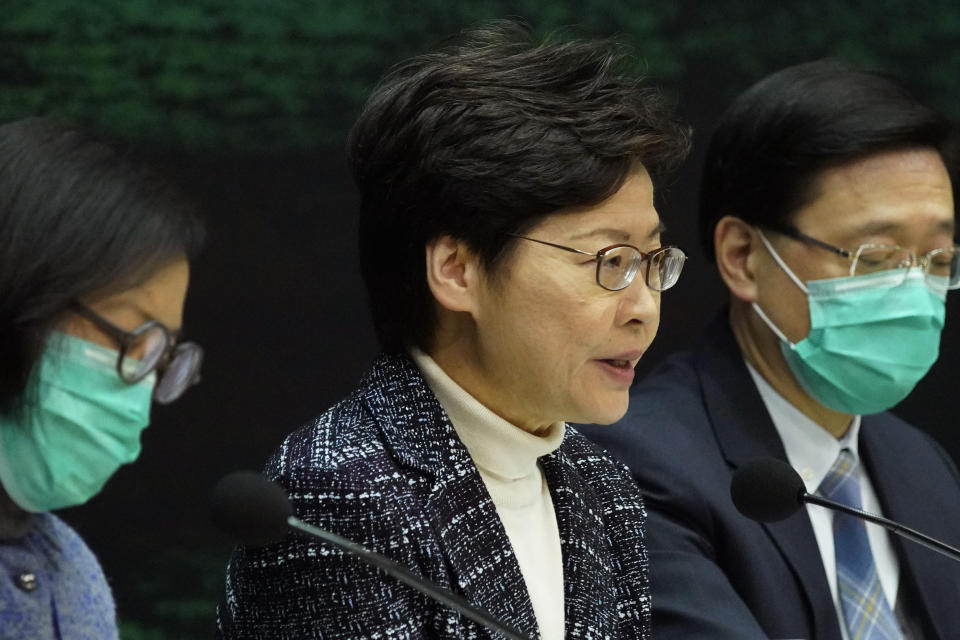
[247,103]
[250,75]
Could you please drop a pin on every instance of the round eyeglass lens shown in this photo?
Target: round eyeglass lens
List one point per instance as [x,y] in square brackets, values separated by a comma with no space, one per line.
[618,267]
[144,354]
[945,263]
[665,268]
[872,259]
[180,373]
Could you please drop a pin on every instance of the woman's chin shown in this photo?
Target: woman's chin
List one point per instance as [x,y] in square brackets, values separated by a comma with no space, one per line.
[607,414]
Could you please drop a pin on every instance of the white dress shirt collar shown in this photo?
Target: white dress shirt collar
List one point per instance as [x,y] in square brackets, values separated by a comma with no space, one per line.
[810,448]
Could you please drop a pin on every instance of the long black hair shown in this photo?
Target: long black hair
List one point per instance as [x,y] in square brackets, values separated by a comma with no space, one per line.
[76,218]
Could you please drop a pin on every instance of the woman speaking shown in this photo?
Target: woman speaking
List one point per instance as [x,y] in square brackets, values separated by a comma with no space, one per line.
[513,260]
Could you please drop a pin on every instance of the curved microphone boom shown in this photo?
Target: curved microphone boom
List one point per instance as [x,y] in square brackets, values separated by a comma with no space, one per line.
[256,511]
[769,490]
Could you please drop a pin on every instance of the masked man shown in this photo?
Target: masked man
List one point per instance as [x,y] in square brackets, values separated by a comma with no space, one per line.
[827,203]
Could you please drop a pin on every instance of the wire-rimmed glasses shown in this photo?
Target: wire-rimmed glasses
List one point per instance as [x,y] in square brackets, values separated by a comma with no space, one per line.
[619,264]
[152,346]
[942,263]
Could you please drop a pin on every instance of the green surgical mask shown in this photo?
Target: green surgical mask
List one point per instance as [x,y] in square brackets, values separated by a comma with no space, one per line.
[872,337]
[80,423]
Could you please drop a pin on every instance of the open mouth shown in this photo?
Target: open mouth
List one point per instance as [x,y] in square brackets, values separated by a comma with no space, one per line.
[619,364]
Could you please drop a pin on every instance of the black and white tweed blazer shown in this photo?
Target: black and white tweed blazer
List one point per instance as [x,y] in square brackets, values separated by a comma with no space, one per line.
[385,468]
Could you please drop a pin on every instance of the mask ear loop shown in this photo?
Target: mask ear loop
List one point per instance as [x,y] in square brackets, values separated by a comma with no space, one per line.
[772,326]
[779,261]
[791,275]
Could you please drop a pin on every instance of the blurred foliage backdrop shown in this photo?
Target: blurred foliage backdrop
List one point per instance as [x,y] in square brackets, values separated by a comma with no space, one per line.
[288,74]
[247,102]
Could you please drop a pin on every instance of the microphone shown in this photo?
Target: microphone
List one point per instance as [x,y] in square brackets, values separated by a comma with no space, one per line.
[769,490]
[256,511]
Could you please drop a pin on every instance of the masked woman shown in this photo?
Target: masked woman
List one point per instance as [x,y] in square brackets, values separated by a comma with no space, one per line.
[93,275]
[512,255]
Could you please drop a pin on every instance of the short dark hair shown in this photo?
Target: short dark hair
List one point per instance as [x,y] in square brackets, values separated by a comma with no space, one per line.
[485,137]
[76,218]
[774,140]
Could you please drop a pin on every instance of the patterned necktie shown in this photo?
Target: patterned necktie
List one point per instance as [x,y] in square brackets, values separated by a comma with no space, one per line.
[865,608]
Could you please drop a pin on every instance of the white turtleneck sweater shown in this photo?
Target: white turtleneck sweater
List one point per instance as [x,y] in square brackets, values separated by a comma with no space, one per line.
[506,457]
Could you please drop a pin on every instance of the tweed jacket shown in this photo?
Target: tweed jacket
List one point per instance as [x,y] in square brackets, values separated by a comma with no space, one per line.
[385,468]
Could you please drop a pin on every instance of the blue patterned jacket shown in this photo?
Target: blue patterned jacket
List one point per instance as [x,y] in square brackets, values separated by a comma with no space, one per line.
[52,588]
[385,468]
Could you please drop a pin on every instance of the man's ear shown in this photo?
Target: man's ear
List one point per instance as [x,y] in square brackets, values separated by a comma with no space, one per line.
[452,273]
[737,246]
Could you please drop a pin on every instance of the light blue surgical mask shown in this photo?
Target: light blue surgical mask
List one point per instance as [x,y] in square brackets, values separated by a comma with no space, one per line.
[80,423]
[872,337]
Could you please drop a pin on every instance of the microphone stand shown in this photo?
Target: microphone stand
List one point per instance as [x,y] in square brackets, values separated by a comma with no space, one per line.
[409,578]
[897,528]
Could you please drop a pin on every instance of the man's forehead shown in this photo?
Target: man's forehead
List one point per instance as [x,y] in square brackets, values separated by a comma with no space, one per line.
[920,223]
[890,193]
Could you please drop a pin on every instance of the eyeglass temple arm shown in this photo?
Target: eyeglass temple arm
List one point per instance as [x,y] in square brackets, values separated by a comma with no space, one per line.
[176,335]
[550,244]
[113,330]
[644,256]
[796,234]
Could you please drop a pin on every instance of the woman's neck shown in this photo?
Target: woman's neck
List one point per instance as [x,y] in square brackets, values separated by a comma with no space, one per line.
[14,521]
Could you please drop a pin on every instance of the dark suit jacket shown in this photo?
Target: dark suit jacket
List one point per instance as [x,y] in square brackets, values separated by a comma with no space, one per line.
[716,574]
[385,468]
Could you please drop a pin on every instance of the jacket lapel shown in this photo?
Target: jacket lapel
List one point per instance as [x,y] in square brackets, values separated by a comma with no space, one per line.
[932,577]
[582,543]
[745,430]
[480,560]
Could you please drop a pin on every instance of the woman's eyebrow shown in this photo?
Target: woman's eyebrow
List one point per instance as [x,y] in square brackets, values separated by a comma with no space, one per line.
[657,230]
[619,234]
[149,317]
[616,234]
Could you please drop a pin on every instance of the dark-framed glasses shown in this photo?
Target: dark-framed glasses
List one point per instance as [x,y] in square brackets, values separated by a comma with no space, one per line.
[151,347]
[619,264]
[938,266]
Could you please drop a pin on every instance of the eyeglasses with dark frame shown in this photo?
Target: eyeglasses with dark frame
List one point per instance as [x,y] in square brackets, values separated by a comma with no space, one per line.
[619,264]
[177,363]
[873,258]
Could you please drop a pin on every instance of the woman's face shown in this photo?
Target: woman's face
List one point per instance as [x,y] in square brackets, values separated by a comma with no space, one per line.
[65,456]
[160,298]
[551,344]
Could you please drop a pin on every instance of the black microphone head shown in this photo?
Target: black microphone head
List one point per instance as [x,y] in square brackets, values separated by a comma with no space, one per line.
[766,489]
[250,508]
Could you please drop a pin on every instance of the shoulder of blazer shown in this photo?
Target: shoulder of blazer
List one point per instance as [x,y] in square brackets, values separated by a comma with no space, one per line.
[598,467]
[364,428]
